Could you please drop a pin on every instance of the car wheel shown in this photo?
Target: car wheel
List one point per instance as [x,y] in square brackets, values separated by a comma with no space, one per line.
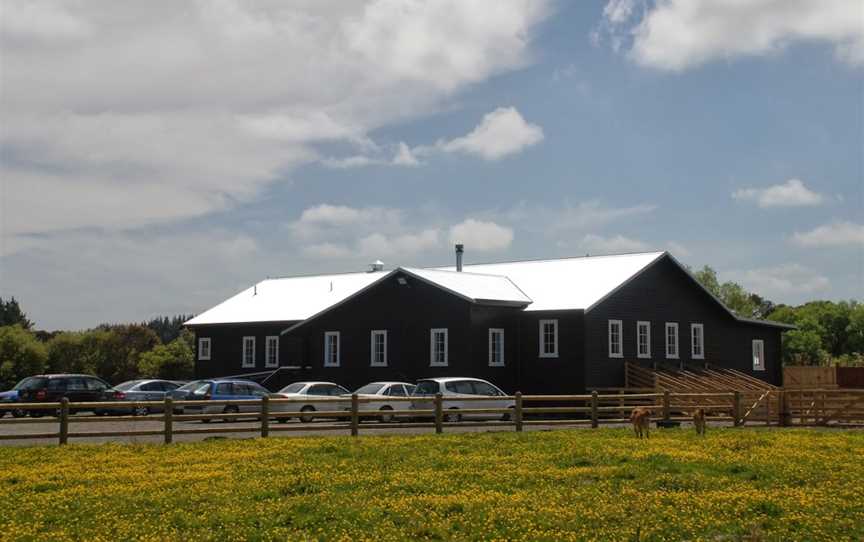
[18,413]
[506,417]
[37,413]
[230,409]
[141,411]
[453,415]
[386,418]
[307,418]
[2,413]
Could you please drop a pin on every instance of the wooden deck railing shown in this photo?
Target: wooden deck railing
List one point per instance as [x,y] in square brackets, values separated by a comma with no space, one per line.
[770,407]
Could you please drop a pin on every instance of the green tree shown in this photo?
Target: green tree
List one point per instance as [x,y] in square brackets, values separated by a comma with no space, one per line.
[174,360]
[11,314]
[21,355]
[118,351]
[733,295]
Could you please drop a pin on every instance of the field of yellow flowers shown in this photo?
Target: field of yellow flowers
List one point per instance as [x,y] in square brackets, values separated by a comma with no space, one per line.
[733,484]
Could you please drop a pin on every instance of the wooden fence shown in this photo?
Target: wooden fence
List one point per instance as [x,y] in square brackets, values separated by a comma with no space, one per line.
[769,407]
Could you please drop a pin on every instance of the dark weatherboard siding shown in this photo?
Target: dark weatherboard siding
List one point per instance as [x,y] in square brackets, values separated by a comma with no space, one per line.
[665,293]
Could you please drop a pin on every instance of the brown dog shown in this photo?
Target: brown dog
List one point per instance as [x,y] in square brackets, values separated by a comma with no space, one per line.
[699,421]
[640,418]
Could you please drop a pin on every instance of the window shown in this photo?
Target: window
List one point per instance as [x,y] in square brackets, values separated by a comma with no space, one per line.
[271,351]
[331,349]
[462,387]
[204,348]
[643,340]
[697,341]
[248,351]
[396,390]
[616,349]
[438,347]
[496,347]
[379,348]
[671,340]
[225,388]
[548,338]
[758,355]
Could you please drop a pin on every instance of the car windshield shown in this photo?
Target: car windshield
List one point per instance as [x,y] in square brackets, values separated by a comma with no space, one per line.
[293,388]
[201,388]
[190,386]
[426,387]
[369,389]
[127,385]
[33,384]
[23,384]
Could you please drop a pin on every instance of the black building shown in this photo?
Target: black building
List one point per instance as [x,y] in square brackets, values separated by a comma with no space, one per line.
[544,326]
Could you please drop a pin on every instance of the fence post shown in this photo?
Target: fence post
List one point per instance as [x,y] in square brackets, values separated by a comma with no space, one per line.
[64,421]
[666,411]
[355,415]
[517,413]
[439,413]
[781,408]
[168,415]
[265,416]
[594,418]
[736,408]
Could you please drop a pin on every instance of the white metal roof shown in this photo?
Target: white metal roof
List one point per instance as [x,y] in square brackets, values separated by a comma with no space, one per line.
[287,299]
[568,283]
[473,286]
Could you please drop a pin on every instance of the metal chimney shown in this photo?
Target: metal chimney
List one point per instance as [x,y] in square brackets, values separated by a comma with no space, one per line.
[459,250]
[377,265]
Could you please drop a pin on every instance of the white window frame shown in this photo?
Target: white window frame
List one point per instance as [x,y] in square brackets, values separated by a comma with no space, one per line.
[201,342]
[620,325]
[543,353]
[492,361]
[647,325]
[248,339]
[271,343]
[677,353]
[433,359]
[328,362]
[372,357]
[758,354]
[701,328]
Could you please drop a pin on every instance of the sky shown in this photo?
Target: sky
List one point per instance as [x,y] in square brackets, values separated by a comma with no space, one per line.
[157,157]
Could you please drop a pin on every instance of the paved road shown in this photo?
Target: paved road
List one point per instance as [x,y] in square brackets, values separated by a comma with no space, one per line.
[221,430]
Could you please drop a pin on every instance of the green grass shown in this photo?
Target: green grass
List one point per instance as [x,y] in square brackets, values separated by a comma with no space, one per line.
[734,484]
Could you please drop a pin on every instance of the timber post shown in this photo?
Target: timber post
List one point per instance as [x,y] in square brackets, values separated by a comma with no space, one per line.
[265,416]
[64,421]
[168,416]
[736,408]
[517,412]
[439,413]
[355,415]
[595,422]
[666,409]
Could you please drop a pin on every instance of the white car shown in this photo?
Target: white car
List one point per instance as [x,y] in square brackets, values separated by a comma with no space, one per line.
[302,390]
[381,393]
[455,390]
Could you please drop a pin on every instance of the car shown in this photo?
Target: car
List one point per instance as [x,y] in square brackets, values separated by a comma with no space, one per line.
[455,388]
[78,388]
[301,390]
[146,390]
[382,392]
[11,396]
[221,390]
[182,393]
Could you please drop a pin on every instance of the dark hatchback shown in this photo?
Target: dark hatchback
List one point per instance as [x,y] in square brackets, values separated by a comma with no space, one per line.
[75,387]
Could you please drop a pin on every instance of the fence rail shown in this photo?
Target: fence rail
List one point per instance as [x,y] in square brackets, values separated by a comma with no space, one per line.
[797,407]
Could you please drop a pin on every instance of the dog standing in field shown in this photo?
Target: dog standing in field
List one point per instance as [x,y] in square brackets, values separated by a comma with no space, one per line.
[640,418]
[699,421]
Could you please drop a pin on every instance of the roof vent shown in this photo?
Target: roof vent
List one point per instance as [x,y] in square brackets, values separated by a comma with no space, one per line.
[459,250]
[377,265]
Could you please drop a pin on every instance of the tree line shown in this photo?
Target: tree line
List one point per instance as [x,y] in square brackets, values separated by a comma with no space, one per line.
[827,333]
[160,348]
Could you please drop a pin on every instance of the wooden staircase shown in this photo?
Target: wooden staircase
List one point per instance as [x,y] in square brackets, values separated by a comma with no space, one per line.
[691,379]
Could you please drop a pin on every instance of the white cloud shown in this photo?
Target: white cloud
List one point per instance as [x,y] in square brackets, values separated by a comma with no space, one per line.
[380,245]
[501,133]
[596,244]
[328,220]
[585,215]
[404,156]
[481,236]
[177,109]
[792,193]
[834,234]
[327,251]
[781,281]
[680,34]
[677,249]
